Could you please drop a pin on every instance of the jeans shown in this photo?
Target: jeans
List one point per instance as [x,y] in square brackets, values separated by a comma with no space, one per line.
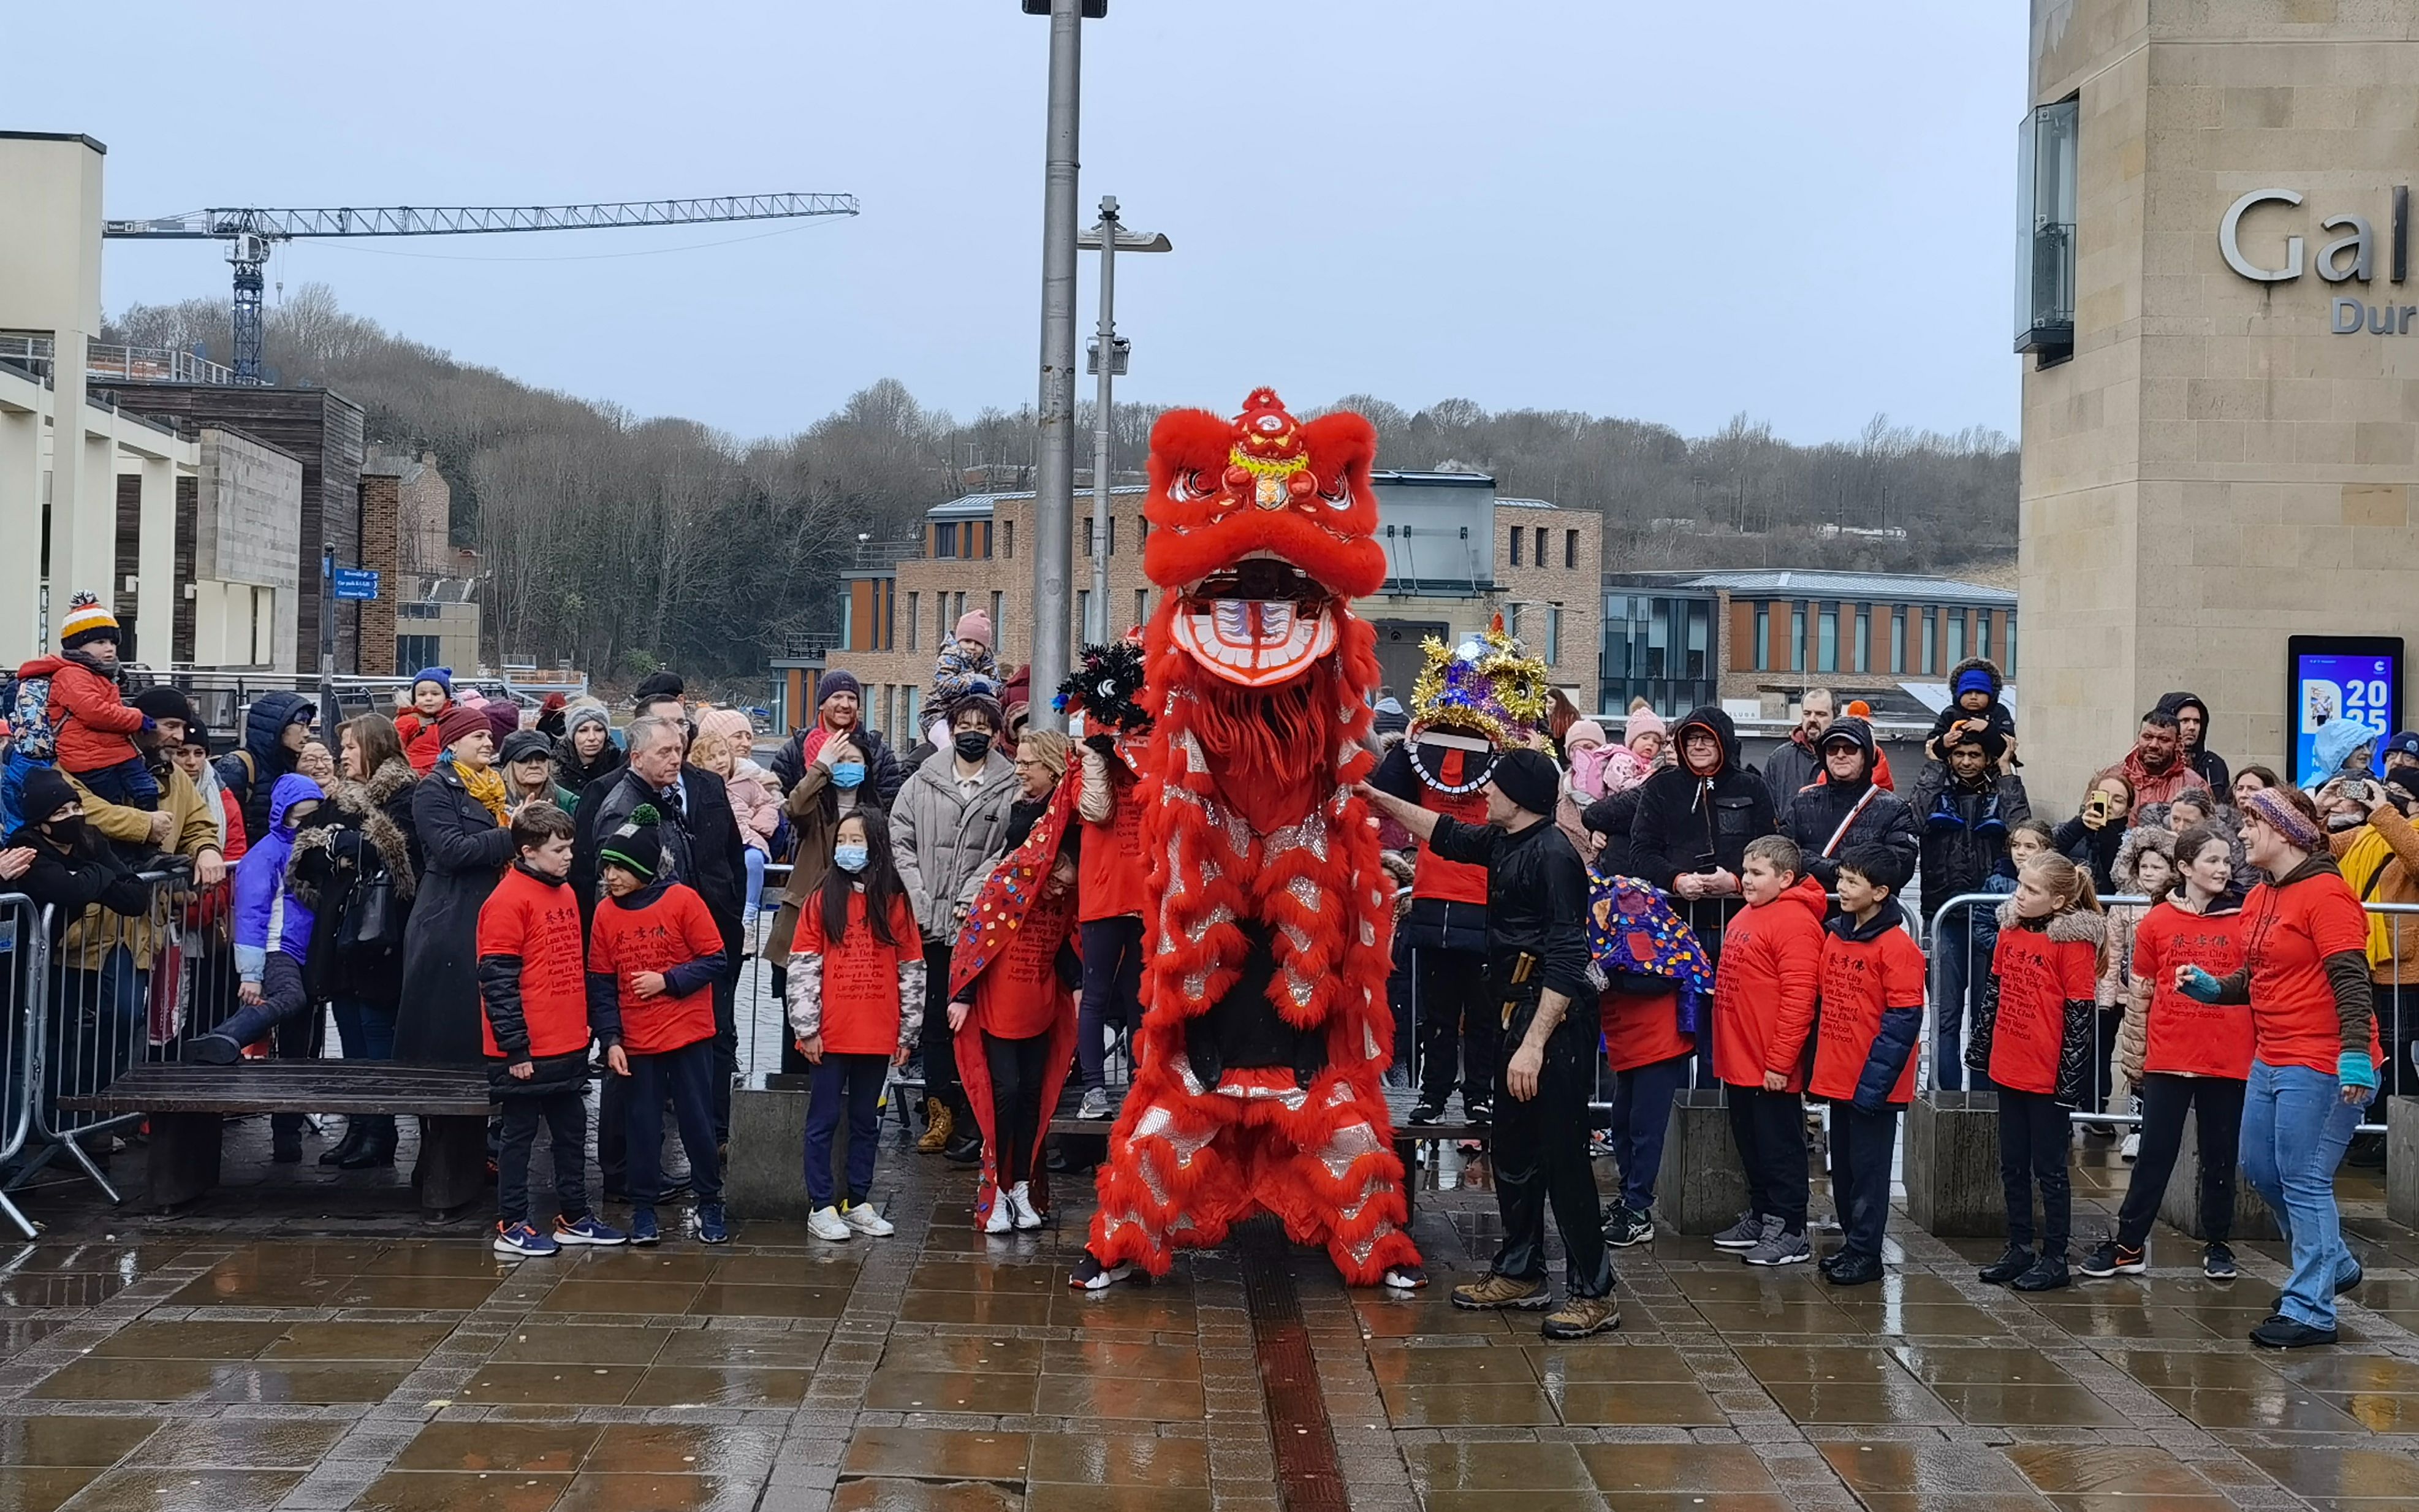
[1952,962]
[366,1031]
[1769,1129]
[97,1024]
[850,1085]
[2034,1138]
[282,998]
[1016,1070]
[684,1075]
[755,859]
[2165,1099]
[566,1118]
[726,1052]
[128,784]
[2295,1125]
[1112,990]
[1540,1149]
[1459,1032]
[1642,1116]
[1860,1168]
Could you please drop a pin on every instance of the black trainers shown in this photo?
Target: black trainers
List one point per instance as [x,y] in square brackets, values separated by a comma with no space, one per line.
[1426,1112]
[2108,1258]
[2048,1274]
[2282,1333]
[1626,1227]
[2217,1263]
[2008,1266]
[1847,1270]
[1481,1113]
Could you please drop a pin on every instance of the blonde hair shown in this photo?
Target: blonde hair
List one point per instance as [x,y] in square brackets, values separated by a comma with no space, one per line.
[1779,851]
[2067,882]
[1050,747]
[709,746]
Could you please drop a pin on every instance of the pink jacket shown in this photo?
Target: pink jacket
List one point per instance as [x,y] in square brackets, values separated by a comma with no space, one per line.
[754,804]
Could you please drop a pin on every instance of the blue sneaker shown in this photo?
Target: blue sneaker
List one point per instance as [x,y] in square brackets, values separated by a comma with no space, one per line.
[586,1230]
[643,1226]
[710,1228]
[520,1239]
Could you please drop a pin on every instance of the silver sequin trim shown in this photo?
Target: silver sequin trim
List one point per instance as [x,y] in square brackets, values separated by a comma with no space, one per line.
[1351,1142]
[1182,1066]
[1341,1092]
[1299,988]
[1296,937]
[1368,1043]
[1220,915]
[1305,892]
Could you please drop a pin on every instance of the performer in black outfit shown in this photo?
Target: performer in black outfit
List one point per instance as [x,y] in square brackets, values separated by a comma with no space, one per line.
[1537,973]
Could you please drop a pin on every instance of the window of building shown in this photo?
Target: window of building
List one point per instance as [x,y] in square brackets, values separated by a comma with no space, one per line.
[1088,536]
[1863,636]
[1797,637]
[1982,633]
[1007,538]
[1570,548]
[907,708]
[1931,629]
[2046,187]
[1512,620]
[998,623]
[1897,641]
[945,539]
[1763,637]
[942,624]
[1956,637]
[1142,606]
[913,609]
[1541,545]
[1827,639]
[1659,649]
[1112,535]
[2008,652]
[1553,635]
[986,525]
[1516,545]
[1083,612]
[413,652]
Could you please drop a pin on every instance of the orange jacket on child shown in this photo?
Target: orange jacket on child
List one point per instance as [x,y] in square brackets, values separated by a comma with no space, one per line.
[2032,1030]
[1764,990]
[1871,1011]
[95,724]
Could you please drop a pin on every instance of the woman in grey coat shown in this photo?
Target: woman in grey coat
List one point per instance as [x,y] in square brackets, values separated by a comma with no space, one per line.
[948,826]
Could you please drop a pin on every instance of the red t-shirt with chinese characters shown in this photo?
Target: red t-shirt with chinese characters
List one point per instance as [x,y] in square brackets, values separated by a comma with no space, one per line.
[1641,1030]
[538,922]
[861,975]
[1434,876]
[2290,931]
[673,929]
[1860,978]
[2038,977]
[1019,996]
[2186,1036]
[1110,872]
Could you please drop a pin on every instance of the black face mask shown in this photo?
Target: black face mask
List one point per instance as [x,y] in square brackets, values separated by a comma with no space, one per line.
[67,833]
[971,744]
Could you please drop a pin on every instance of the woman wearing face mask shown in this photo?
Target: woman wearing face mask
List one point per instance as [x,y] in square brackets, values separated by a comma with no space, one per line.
[55,860]
[2184,1056]
[2313,1050]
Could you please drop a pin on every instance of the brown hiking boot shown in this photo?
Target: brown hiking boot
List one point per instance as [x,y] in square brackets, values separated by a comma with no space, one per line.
[1502,1291]
[938,1125]
[1583,1315]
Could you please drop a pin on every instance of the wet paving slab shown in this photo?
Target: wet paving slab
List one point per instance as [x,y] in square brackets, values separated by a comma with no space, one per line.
[277,1354]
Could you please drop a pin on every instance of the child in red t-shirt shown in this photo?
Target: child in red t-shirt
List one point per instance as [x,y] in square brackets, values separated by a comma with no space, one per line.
[1871,992]
[2033,1034]
[653,956]
[534,1003]
[855,998]
[1764,1011]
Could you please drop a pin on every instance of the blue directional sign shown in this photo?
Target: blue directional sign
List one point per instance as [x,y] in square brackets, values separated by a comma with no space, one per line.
[356,583]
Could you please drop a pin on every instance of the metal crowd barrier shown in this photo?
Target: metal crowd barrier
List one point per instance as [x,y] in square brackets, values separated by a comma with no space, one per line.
[2106,1076]
[24,951]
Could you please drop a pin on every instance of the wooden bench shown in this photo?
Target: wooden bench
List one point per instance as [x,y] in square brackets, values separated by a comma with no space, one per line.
[186,1105]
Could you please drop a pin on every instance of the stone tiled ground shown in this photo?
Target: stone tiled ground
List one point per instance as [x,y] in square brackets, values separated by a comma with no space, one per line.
[301,1344]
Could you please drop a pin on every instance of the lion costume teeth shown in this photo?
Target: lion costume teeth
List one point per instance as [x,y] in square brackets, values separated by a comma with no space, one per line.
[1261,908]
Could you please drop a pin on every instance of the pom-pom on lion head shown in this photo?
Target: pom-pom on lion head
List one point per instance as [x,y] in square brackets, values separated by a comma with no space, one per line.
[1487,687]
[1106,685]
[1264,527]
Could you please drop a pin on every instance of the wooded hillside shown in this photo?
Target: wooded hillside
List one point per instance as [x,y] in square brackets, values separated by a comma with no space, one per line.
[625,543]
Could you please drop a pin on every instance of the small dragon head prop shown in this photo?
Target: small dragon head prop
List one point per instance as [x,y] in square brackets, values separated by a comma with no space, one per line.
[1106,685]
[1487,687]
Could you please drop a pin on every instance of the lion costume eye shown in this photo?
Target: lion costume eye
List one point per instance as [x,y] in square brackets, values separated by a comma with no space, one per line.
[1341,498]
[1188,485]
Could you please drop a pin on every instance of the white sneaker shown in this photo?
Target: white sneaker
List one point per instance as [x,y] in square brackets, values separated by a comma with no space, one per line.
[2132,1148]
[826,1223]
[1020,1205]
[1001,1221]
[673,1162]
[861,1217]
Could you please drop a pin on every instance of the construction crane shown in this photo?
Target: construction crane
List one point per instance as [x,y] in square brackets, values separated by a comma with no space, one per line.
[250,233]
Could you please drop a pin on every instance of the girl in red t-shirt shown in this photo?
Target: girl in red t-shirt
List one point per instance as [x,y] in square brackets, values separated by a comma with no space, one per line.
[2033,1036]
[2183,1056]
[856,995]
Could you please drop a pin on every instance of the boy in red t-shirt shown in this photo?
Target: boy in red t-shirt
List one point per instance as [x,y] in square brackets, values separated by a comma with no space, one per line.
[1764,1010]
[653,956]
[1872,995]
[534,1019]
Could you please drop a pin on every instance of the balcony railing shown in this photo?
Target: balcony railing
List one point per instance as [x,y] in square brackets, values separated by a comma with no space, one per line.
[109,359]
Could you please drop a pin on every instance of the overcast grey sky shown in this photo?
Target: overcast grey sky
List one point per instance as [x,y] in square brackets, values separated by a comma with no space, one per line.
[1672,212]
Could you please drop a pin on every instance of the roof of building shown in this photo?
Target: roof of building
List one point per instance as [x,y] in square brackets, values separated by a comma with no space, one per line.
[1793,583]
[978,505]
[1501,502]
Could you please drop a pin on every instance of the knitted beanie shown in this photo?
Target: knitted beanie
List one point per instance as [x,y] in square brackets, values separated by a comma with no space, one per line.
[636,848]
[1644,722]
[86,622]
[975,626]
[1582,730]
[46,792]
[442,676]
[1528,777]
[586,712]
[2280,815]
[160,702]
[459,722]
[836,681]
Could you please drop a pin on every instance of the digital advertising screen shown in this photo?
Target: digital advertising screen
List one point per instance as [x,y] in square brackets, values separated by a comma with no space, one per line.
[2345,692]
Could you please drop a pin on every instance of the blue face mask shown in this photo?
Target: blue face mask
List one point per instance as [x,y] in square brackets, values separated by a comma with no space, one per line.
[849,858]
[848,775]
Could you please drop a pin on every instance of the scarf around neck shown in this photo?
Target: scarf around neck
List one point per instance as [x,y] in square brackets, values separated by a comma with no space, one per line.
[486,785]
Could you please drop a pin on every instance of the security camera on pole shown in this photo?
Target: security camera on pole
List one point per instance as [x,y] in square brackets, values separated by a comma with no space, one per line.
[1108,358]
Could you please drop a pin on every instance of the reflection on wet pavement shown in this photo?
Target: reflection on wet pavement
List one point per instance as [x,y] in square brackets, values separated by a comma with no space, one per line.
[228,1365]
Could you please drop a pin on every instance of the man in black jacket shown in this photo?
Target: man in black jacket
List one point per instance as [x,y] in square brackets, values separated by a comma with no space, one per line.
[275,728]
[1967,805]
[1799,759]
[1843,809]
[1537,971]
[841,713]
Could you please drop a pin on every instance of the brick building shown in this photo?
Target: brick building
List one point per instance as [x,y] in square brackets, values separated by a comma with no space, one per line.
[1456,555]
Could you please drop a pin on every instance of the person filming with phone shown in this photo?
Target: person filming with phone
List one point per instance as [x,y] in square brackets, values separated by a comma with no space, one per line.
[2378,856]
[2092,837]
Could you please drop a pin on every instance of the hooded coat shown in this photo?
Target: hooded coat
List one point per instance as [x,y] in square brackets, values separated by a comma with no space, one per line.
[365,829]
[1859,813]
[2332,748]
[1686,823]
[2209,764]
[250,772]
[439,1021]
[267,915]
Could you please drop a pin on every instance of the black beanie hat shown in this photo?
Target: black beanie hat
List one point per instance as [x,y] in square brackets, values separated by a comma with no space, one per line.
[1528,778]
[164,703]
[659,686]
[45,794]
[636,848]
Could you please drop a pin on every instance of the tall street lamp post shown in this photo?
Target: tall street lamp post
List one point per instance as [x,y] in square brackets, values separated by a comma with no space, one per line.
[1109,354]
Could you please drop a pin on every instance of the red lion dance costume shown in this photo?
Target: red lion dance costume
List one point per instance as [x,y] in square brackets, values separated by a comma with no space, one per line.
[1265,1030]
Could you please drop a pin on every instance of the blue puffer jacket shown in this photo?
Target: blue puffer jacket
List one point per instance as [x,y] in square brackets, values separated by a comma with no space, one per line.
[267,915]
